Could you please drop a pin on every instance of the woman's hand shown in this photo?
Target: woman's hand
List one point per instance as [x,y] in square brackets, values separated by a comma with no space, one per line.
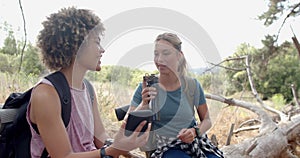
[187,135]
[148,93]
[125,144]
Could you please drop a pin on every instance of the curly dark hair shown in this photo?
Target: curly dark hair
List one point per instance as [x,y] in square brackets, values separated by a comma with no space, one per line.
[63,33]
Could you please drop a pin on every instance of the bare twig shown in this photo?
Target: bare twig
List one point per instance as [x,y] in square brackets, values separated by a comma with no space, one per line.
[249,122]
[251,148]
[295,95]
[246,129]
[290,13]
[215,65]
[230,134]
[219,65]
[281,115]
[228,68]
[25,34]
[296,43]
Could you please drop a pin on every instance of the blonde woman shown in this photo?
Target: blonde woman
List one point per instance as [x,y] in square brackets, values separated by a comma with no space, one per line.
[177,132]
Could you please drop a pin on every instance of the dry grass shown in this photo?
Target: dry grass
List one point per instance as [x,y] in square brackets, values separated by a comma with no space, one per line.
[227,117]
[111,96]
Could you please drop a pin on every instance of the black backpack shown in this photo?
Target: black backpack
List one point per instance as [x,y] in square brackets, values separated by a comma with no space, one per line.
[15,135]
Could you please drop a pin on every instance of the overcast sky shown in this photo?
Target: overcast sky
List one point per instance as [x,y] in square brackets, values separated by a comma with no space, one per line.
[228,23]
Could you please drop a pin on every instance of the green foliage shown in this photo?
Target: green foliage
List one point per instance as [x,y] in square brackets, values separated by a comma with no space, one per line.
[278,8]
[31,62]
[278,101]
[120,75]
[212,82]
[10,45]
[205,80]
[277,69]
[4,63]
[236,77]
[10,58]
[125,76]
[274,68]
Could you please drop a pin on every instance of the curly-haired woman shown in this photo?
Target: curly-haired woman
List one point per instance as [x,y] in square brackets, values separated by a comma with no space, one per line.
[70,43]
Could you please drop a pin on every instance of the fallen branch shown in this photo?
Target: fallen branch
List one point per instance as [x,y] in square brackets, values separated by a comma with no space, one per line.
[251,121]
[263,144]
[266,121]
[246,129]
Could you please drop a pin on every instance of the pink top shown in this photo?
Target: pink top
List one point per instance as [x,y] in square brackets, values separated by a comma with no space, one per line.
[81,126]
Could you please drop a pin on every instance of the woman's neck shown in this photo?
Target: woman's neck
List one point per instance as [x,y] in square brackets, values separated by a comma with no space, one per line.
[169,82]
[73,76]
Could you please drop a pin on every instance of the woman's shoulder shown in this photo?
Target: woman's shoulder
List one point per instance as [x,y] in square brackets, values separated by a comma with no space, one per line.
[43,89]
[44,94]
[44,102]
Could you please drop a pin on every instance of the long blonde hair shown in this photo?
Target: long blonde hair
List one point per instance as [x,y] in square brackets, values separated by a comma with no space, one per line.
[176,42]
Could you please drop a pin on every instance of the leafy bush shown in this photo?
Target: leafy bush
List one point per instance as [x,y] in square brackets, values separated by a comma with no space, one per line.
[278,101]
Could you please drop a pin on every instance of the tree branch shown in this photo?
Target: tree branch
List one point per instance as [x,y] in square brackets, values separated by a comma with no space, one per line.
[290,13]
[296,43]
[25,34]
[219,65]
[266,121]
[228,68]
[293,127]
[246,129]
[295,95]
[251,121]
[249,74]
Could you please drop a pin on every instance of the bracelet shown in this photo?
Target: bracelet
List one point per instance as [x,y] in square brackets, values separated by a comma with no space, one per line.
[103,153]
[197,130]
[108,141]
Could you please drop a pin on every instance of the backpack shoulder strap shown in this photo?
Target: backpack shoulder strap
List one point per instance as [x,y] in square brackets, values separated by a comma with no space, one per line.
[90,89]
[192,92]
[61,85]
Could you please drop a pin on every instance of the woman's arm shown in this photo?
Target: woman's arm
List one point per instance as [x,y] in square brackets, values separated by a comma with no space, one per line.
[205,122]
[202,111]
[187,135]
[46,113]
